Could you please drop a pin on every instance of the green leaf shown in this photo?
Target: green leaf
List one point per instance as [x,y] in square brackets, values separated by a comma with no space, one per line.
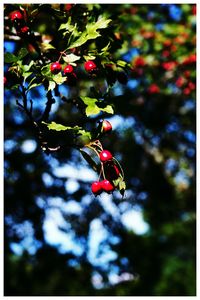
[25,68]
[67,26]
[10,58]
[59,79]
[46,70]
[51,86]
[70,58]
[84,133]
[108,109]
[33,85]
[89,57]
[91,32]
[122,185]
[100,24]
[105,49]
[121,63]
[22,53]
[116,182]
[90,161]
[47,46]
[59,127]
[26,75]
[93,109]
[80,41]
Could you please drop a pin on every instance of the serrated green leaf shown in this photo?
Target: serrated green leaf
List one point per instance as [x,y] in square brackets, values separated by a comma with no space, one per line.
[92,107]
[92,110]
[51,86]
[108,109]
[91,32]
[59,79]
[121,63]
[25,68]
[10,58]
[70,58]
[67,26]
[105,49]
[80,41]
[89,57]
[47,46]
[46,70]
[100,24]
[59,127]
[84,133]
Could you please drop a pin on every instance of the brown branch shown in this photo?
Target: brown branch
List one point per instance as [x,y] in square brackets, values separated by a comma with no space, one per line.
[49,103]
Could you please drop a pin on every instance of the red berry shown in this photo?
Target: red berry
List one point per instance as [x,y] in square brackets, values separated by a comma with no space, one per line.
[165,53]
[105,155]
[90,66]
[180,81]
[107,186]
[186,91]
[96,187]
[68,69]
[153,89]
[169,65]
[55,67]
[68,7]
[191,85]
[24,29]
[106,126]
[111,171]
[5,80]
[16,15]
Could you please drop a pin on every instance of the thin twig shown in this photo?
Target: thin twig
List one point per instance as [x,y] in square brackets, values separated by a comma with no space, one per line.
[49,103]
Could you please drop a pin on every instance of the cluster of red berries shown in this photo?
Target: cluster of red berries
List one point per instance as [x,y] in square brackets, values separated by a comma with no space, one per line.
[18,19]
[111,172]
[68,70]
[110,169]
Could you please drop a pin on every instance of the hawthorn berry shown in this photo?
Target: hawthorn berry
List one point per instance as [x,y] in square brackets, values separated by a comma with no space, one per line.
[96,187]
[153,89]
[106,126]
[68,69]
[90,66]
[105,155]
[112,172]
[16,15]
[24,29]
[107,186]
[55,67]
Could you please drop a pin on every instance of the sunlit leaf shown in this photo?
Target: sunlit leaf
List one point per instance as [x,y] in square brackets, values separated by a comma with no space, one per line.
[70,58]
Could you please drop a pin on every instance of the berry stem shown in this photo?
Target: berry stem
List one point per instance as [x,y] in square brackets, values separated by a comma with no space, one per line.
[122,172]
[102,169]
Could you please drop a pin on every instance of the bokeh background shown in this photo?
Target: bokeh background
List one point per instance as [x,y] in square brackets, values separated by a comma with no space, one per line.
[59,238]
